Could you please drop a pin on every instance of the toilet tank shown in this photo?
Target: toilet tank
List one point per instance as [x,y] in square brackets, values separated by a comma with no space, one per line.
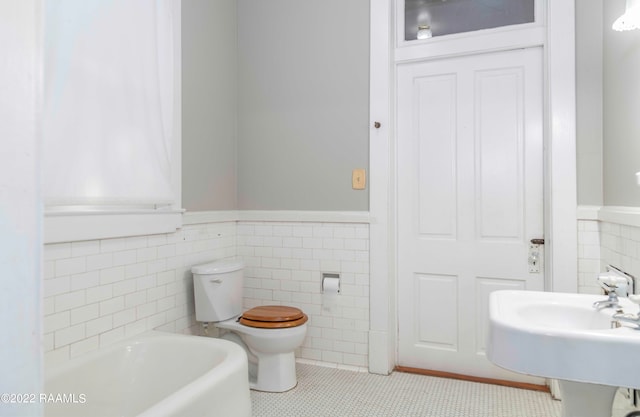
[217,288]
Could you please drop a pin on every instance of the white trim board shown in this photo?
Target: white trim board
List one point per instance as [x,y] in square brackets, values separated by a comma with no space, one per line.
[587,212]
[628,216]
[304,216]
[560,170]
[93,225]
[382,280]
[201,217]
[72,227]
[294,216]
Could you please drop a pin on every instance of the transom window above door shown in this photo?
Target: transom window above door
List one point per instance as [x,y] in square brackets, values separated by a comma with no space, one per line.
[431,18]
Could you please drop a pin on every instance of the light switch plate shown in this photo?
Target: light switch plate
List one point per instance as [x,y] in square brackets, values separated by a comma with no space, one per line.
[359,179]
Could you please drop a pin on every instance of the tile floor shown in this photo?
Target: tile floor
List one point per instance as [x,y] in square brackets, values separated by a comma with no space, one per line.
[331,392]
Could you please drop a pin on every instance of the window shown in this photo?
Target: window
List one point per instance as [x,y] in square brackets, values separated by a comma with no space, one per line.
[111,118]
[445,17]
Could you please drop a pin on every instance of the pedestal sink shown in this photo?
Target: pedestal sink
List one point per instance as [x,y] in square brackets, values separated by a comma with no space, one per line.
[561,336]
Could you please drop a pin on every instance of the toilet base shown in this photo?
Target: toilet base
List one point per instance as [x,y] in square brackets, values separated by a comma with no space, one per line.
[275,372]
[268,372]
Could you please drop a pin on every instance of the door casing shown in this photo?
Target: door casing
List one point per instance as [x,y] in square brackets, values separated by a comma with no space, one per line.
[557,37]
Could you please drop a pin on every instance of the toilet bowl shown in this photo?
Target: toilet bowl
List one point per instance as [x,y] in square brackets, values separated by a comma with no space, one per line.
[269,334]
[274,367]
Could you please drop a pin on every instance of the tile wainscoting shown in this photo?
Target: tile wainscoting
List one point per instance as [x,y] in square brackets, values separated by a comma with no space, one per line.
[589,263]
[284,265]
[100,291]
[620,246]
[603,242]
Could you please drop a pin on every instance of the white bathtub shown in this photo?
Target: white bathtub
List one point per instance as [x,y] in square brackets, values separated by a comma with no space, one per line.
[155,374]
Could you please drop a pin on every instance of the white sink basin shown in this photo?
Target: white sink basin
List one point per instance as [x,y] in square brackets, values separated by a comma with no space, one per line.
[570,317]
[558,335]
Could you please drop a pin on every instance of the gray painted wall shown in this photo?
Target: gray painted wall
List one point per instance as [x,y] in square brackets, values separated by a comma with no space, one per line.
[209,105]
[303,103]
[608,121]
[589,34]
[621,110]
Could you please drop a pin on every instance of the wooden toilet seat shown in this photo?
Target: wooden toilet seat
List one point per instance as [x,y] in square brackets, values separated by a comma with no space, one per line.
[273,317]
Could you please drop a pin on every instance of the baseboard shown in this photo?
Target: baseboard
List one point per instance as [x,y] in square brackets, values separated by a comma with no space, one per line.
[450,375]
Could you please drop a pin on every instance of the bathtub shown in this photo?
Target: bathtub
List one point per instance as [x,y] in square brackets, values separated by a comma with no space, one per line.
[154,374]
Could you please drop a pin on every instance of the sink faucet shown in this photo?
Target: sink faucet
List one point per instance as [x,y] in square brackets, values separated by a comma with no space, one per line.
[612,302]
[616,283]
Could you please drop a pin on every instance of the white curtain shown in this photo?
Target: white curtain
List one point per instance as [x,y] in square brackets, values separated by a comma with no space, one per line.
[108,102]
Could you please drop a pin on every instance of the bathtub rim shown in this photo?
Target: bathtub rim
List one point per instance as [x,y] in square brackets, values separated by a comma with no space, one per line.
[235,361]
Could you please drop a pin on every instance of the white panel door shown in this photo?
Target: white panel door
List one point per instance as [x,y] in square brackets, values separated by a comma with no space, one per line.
[470,199]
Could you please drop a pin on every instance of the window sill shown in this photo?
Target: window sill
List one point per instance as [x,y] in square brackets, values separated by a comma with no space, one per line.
[91,225]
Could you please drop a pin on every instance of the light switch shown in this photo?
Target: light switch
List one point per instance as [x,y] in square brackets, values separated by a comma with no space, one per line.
[358,179]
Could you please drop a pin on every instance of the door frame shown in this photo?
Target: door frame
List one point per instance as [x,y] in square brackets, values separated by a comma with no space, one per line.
[557,37]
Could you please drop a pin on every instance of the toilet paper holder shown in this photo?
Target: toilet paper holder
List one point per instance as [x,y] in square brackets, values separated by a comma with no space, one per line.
[327,278]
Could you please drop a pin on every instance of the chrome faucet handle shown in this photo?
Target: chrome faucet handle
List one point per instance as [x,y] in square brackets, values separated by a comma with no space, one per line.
[612,301]
[611,281]
[625,282]
[632,319]
[608,283]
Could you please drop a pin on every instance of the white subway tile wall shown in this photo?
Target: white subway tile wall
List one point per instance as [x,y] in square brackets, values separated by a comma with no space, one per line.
[601,244]
[589,262]
[98,292]
[101,291]
[620,246]
[284,265]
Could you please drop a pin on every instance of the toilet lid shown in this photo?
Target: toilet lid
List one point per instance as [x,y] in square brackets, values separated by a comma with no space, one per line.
[273,317]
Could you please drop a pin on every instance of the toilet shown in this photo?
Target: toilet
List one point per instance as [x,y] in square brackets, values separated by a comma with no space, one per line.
[269,334]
